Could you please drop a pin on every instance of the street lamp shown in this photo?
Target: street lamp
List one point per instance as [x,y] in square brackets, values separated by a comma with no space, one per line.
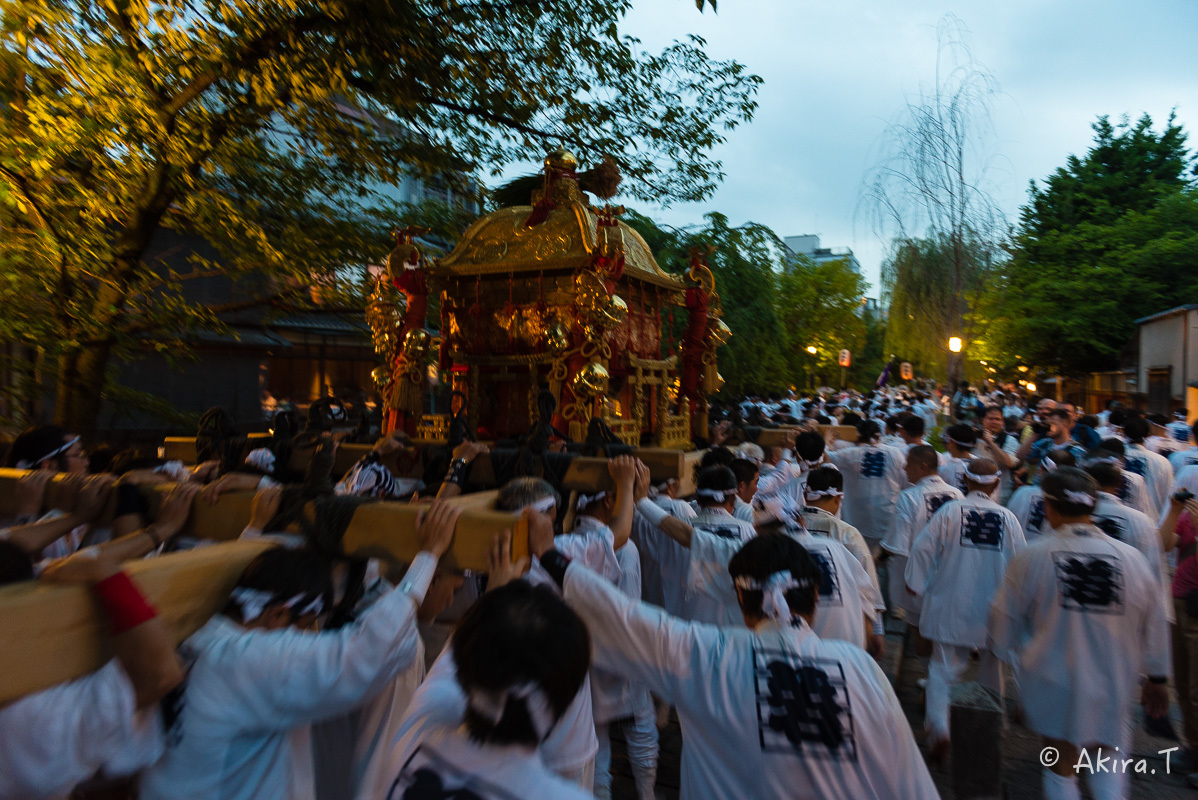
[811,349]
[1031,387]
[954,344]
[1022,368]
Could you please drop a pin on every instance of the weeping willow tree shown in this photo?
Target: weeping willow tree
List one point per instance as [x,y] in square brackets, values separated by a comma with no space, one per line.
[930,193]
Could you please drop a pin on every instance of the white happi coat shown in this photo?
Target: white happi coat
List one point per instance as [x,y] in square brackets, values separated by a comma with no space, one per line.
[1180,459]
[241,728]
[1156,471]
[665,564]
[59,737]
[873,478]
[915,507]
[743,511]
[821,523]
[433,751]
[1027,504]
[956,566]
[1129,526]
[952,471]
[847,596]
[1080,615]
[775,478]
[768,714]
[717,536]
[1134,494]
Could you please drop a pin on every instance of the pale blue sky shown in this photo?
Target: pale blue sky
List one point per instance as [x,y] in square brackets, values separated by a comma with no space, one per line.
[836,72]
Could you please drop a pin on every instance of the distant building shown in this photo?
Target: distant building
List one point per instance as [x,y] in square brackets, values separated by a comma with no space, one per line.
[808,245]
[1168,363]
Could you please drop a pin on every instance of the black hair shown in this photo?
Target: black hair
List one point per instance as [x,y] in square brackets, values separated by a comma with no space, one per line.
[517,634]
[764,555]
[924,454]
[1113,446]
[15,564]
[810,446]
[1119,417]
[962,433]
[285,573]
[1090,420]
[1105,474]
[990,410]
[867,431]
[823,478]
[1061,413]
[851,418]
[34,444]
[1069,479]
[914,425]
[717,457]
[1063,457]
[744,470]
[1135,429]
[719,479]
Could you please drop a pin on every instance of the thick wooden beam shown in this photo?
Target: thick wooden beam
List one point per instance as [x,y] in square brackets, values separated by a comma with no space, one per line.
[591,475]
[54,634]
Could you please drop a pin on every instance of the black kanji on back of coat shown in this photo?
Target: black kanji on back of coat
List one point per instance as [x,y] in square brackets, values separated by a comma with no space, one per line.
[981,529]
[873,464]
[1089,582]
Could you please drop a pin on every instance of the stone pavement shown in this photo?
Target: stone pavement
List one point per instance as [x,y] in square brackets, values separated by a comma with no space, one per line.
[1021,748]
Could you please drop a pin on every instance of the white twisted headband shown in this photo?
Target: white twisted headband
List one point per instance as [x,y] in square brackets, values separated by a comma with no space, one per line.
[773,590]
[544,504]
[984,480]
[262,458]
[1080,498]
[585,500]
[718,495]
[25,463]
[1048,464]
[254,601]
[492,705]
[815,495]
[958,442]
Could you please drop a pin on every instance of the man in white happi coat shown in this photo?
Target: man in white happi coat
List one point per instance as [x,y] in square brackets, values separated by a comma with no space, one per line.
[873,478]
[1133,489]
[960,439]
[1184,456]
[765,706]
[1081,616]
[717,535]
[850,606]
[107,721]
[916,505]
[747,477]
[1153,467]
[665,564]
[955,568]
[479,728]
[258,679]
[1027,503]
[1122,522]
[824,495]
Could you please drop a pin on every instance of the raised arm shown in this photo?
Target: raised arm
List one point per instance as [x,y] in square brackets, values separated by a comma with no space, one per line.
[623,470]
[459,468]
[677,529]
[89,504]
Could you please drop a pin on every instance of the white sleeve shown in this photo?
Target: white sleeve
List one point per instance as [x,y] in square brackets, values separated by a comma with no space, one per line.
[57,738]
[281,679]
[710,555]
[1154,638]
[898,537]
[1009,613]
[925,554]
[640,642]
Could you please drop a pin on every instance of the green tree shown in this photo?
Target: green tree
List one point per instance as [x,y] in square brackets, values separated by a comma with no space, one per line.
[1110,237]
[931,193]
[271,130]
[820,306]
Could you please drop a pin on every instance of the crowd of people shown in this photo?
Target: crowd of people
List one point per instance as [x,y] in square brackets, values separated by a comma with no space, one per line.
[1056,548]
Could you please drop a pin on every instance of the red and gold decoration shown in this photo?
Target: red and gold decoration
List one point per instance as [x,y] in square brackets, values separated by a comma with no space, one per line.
[561,295]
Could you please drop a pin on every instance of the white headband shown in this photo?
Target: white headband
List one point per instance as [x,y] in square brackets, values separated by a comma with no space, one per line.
[773,589]
[718,495]
[254,601]
[492,705]
[958,442]
[1048,464]
[26,464]
[1080,498]
[262,458]
[812,464]
[984,480]
[585,500]
[173,470]
[823,493]
[544,504]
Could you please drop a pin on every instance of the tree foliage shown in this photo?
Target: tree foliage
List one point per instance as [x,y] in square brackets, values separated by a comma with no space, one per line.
[1109,237]
[776,303]
[273,130]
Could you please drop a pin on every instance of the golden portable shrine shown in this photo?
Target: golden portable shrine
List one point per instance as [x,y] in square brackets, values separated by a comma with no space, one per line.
[559,295]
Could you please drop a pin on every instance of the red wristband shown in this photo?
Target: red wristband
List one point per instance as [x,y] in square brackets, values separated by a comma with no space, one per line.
[122,603]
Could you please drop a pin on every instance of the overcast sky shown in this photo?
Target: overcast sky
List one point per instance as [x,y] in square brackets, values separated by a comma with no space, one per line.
[837,72]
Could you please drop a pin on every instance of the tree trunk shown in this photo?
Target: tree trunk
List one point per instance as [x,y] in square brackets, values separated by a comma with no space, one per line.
[81,384]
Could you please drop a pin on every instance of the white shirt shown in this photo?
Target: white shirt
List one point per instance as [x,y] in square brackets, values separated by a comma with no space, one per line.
[956,566]
[241,729]
[717,536]
[873,478]
[1181,459]
[59,737]
[433,750]
[774,479]
[1154,468]
[952,470]
[1079,613]
[1130,526]
[1134,493]
[665,564]
[915,507]
[847,596]
[1027,504]
[821,523]
[745,699]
